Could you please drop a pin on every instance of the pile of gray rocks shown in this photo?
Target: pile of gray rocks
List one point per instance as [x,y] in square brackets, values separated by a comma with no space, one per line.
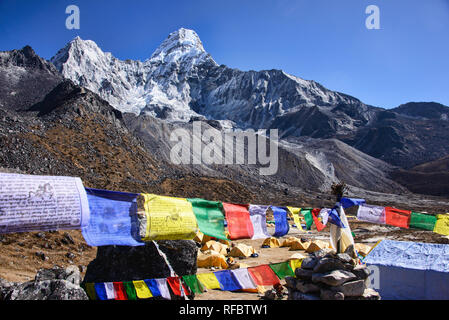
[326,275]
[49,284]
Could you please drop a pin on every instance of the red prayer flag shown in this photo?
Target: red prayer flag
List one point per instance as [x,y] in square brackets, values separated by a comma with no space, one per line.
[173,282]
[120,293]
[397,218]
[239,221]
[318,224]
[263,275]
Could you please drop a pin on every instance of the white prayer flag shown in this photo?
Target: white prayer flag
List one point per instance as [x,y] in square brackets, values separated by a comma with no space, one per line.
[41,203]
[369,213]
[244,279]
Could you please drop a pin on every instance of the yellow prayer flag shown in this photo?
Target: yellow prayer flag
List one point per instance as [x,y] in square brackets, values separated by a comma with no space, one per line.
[142,290]
[209,280]
[295,213]
[169,218]
[295,263]
[442,224]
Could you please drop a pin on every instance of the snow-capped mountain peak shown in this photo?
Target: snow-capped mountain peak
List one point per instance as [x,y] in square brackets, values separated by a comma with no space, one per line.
[156,86]
[181,80]
[179,43]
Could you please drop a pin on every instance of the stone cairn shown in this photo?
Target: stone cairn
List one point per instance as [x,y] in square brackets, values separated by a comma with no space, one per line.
[326,275]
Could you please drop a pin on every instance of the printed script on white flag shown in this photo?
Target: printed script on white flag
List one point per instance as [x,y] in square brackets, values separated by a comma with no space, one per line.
[41,203]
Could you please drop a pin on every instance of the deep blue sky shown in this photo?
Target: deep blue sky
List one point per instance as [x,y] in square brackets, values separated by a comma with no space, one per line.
[322,40]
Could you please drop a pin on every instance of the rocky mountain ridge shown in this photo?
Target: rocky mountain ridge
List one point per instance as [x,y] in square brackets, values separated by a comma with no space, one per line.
[181,81]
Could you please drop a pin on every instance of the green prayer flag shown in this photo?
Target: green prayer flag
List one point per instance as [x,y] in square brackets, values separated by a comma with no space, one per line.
[210,217]
[192,282]
[130,290]
[307,217]
[282,270]
[422,221]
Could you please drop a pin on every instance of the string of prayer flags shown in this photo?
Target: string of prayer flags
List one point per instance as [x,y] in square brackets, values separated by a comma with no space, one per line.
[295,214]
[100,291]
[282,270]
[442,224]
[239,221]
[163,288]
[398,218]
[130,290]
[153,286]
[175,284]
[318,224]
[263,275]
[113,219]
[192,282]
[370,213]
[244,279]
[307,213]
[210,217]
[208,280]
[281,226]
[252,279]
[142,290]
[227,281]
[258,216]
[41,203]
[422,221]
[120,293]
[169,218]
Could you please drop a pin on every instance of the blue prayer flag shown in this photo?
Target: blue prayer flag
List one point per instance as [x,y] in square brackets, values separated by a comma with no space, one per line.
[349,202]
[100,290]
[334,218]
[281,226]
[227,280]
[113,219]
[152,285]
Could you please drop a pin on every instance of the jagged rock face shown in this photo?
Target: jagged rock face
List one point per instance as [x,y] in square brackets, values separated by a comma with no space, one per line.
[25,78]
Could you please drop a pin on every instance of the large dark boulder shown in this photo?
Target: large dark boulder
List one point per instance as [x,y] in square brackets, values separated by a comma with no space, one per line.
[124,263]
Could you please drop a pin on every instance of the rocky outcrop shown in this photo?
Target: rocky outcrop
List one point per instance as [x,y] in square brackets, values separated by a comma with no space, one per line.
[25,78]
[124,263]
[49,284]
[330,276]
